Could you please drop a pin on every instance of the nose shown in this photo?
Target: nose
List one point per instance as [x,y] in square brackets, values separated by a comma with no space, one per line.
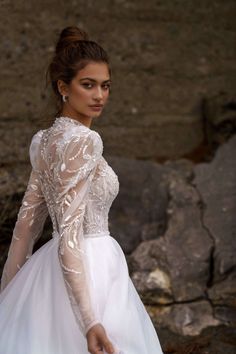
[98,95]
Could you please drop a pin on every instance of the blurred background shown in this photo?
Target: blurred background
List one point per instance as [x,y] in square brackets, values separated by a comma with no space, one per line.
[169,132]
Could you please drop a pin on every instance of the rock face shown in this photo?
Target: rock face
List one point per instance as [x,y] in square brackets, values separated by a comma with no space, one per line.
[188,245]
[168,59]
[216,184]
[189,271]
[148,219]
[212,340]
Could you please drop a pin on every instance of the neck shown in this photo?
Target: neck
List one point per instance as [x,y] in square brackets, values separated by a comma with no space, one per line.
[85,120]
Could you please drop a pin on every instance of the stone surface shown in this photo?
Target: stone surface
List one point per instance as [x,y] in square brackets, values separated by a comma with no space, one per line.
[140,210]
[150,272]
[188,245]
[220,118]
[189,271]
[185,319]
[223,292]
[216,182]
[167,58]
[212,340]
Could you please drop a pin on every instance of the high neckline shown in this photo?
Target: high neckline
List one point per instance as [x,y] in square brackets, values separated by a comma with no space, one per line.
[71,120]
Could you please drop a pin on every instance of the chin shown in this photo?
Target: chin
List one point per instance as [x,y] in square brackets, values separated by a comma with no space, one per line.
[95,114]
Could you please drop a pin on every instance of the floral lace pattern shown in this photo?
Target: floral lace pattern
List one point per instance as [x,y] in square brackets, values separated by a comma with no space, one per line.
[72,182]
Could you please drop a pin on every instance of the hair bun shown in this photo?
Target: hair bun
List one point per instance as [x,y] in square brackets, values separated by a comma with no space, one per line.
[70,35]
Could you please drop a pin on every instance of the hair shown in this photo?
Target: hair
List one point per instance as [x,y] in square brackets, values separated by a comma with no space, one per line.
[73,51]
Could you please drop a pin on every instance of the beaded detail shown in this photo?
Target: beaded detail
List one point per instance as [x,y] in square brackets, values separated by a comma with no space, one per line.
[73,183]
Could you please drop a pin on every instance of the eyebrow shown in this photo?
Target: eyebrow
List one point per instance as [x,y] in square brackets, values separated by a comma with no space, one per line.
[89,78]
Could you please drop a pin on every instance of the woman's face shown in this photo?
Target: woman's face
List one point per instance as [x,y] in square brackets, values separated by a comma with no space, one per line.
[89,87]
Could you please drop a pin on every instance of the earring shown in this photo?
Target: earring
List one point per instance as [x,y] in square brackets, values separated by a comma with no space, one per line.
[64,98]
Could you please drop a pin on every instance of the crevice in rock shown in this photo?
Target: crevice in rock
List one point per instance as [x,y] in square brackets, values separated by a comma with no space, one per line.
[192,301]
[202,207]
[168,211]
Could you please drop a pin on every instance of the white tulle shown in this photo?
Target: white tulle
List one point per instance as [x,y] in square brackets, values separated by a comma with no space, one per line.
[51,298]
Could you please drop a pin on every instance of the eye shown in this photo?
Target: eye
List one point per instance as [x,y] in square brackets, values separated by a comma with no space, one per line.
[87,85]
[107,86]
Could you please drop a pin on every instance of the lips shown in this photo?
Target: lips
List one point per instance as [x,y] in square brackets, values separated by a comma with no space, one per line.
[96,105]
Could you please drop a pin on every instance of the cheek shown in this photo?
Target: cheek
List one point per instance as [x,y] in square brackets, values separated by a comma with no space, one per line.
[85,94]
[106,94]
[81,95]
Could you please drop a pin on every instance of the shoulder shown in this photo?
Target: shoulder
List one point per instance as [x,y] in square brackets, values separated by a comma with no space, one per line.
[96,140]
[34,147]
[36,137]
[78,136]
[35,140]
[79,152]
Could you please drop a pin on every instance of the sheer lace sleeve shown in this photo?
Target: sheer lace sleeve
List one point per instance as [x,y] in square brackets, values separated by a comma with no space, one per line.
[73,175]
[28,228]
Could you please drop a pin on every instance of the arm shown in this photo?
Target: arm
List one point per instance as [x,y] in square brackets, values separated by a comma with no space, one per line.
[76,168]
[28,228]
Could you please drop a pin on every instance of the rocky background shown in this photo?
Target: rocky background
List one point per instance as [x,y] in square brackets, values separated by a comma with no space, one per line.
[168,132]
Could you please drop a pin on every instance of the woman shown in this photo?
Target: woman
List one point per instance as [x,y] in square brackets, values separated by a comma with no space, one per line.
[74,294]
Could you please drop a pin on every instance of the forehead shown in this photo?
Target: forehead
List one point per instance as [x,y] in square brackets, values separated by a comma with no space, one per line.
[97,71]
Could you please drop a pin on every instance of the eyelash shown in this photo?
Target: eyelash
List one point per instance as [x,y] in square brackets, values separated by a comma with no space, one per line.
[86,85]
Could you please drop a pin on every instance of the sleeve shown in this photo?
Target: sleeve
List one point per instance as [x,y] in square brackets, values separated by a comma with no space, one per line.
[28,228]
[74,174]
[30,220]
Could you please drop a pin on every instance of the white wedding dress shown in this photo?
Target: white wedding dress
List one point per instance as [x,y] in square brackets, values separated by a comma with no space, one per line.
[50,298]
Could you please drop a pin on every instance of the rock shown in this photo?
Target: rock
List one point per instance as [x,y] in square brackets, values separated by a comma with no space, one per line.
[223,297]
[224,292]
[194,259]
[183,253]
[188,244]
[226,315]
[151,276]
[182,168]
[220,118]
[13,179]
[216,183]
[186,318]
[15,138]
[211,340]
[157,93]
[140,210]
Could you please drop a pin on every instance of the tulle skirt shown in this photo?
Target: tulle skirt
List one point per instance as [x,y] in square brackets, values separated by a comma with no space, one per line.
[36,316]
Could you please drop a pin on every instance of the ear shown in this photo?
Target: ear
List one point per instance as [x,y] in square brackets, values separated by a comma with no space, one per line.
[62,87]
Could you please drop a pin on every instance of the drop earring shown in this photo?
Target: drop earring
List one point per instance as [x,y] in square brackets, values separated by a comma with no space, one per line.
[64,98]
